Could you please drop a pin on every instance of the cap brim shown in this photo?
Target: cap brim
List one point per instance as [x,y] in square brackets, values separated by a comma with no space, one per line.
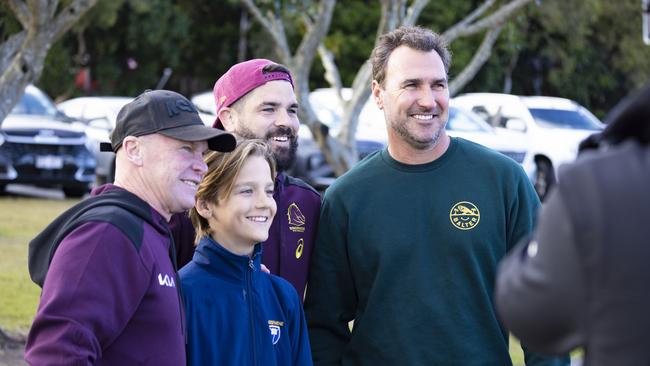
[218,140]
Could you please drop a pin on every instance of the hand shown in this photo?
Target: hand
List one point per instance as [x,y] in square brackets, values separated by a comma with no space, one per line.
[265,270]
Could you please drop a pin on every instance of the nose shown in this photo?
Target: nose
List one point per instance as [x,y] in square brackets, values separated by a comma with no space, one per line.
[263,201]
[287,119]
[427,98]
[200,166]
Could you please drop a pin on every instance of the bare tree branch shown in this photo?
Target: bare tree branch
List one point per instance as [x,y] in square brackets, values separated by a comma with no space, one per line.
[470,17]
[10,48]
[69,16]
[495,19]
[332,75]
[307,50]
[480,57]
[279,38]
[414,11]
[21,12]
[22,56]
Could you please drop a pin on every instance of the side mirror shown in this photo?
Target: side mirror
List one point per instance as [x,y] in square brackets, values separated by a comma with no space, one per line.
[516,124]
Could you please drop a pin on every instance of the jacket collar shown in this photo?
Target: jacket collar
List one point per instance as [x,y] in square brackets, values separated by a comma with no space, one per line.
[214,258]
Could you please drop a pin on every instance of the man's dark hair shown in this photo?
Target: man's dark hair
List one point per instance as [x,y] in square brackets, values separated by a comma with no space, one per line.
[275,68]
[417,38]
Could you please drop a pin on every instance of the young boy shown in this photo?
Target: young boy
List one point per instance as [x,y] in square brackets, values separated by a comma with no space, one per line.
[237,314]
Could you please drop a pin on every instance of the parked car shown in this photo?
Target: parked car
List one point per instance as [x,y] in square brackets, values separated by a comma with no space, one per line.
[553,127]
[371,135]
[39,145]
[98,115]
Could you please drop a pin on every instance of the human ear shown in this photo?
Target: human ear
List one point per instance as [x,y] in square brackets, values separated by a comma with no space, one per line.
[376,94]
[132,147]
[228,118]
[203,208]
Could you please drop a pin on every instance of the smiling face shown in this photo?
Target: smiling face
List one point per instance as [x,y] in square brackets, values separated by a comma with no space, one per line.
[415,99]
[269,112]
[243,218]
[174,169]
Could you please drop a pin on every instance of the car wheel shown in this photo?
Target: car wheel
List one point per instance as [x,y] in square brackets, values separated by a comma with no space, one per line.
[3,189]
[74,192]
[544,178]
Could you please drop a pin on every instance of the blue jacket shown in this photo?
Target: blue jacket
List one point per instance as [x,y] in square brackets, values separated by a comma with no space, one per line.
[238,315]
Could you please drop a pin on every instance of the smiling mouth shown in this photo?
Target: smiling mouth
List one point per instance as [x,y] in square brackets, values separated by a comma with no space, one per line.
[423,117]
[190,182]
[282,138]
[258,219]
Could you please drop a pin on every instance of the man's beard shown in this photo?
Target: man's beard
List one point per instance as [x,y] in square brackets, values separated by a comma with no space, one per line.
[284,157]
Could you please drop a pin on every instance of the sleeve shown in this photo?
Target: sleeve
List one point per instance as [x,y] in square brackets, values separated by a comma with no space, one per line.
[522,211]
[540,287]
[95,283]
[300,348]
[331,299]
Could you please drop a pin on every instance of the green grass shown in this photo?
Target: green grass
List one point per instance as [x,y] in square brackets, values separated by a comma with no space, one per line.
[20,220]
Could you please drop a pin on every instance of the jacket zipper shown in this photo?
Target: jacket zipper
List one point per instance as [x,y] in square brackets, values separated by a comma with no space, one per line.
[249,287]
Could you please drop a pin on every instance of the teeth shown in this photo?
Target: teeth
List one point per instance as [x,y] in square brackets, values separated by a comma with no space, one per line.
[423,116]
[258,218]
[190,182]
[280,138]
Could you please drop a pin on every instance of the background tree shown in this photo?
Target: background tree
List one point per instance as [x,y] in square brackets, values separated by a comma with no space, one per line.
[22,54]
[340,151]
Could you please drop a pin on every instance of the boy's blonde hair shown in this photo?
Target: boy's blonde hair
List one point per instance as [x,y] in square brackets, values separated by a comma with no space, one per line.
[223,169]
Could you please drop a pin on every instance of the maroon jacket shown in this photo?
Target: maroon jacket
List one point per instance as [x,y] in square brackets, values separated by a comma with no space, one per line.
[108,300]
[287,252]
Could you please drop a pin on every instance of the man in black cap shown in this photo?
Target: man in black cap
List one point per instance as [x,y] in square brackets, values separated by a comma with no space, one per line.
[582,280]
[110,291]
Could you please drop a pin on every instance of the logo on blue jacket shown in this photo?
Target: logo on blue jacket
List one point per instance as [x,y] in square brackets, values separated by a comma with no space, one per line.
[274,327]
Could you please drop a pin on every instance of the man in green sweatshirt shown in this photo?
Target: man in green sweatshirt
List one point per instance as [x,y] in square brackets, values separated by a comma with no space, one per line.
[410,238]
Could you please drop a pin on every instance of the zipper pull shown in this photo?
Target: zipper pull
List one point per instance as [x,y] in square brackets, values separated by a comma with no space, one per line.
[250,264]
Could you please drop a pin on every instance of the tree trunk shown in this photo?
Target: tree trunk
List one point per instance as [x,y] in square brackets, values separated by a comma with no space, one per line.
[22,56]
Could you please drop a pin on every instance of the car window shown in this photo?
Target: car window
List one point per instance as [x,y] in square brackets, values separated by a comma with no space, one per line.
[580,119]
[463,121]
[35,102]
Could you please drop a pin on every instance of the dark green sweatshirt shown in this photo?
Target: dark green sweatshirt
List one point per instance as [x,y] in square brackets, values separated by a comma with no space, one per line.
[409,252]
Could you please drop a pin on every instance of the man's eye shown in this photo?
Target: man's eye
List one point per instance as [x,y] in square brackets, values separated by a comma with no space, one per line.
[269,192]
[246,191]
[293,110]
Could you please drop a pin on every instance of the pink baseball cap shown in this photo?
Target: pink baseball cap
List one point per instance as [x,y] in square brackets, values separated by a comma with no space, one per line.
[241,79]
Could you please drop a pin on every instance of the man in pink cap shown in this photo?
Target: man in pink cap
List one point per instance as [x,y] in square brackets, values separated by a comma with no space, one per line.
[255,99]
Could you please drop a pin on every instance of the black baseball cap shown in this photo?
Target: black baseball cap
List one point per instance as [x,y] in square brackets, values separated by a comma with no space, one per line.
[167,113]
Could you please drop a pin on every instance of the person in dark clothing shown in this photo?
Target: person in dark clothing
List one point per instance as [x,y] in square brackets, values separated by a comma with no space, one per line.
[110,294]
[409,239]
[236,314]
[582,279]
[255,99]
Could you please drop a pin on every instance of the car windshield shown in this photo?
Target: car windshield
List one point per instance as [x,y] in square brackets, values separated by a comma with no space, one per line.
[467,122]
[579,119]
[35,102]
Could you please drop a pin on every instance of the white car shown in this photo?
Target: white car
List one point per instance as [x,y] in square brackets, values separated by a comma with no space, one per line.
[98,114]
[552,127]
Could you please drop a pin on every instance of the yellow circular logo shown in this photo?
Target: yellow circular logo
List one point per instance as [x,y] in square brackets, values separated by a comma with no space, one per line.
[301,245]
[464,215]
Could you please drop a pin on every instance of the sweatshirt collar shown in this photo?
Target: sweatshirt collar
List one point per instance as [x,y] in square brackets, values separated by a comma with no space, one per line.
[214,258]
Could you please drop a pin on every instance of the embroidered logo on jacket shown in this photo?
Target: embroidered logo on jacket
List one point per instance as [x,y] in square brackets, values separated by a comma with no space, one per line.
[464,215]
[274,327]
[299,248]
[167,280]
[296,218]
